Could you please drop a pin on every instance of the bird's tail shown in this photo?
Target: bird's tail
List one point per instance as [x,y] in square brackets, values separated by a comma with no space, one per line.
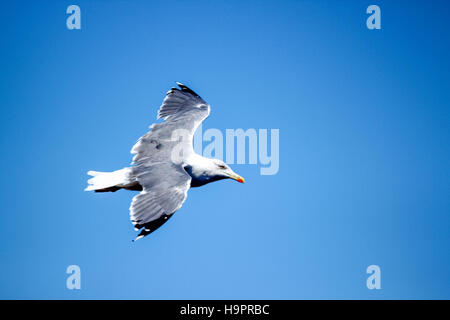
[108,181]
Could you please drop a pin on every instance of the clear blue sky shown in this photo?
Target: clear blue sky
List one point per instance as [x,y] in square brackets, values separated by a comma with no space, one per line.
[364,155]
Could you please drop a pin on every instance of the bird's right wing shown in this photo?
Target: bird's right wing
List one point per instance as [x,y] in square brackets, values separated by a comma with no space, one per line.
[165,187]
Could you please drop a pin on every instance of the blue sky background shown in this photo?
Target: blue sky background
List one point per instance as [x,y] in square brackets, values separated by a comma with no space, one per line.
[364,156]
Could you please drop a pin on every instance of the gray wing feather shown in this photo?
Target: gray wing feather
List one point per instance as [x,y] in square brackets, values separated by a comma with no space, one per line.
[165,189]
[165,184]
[181,110]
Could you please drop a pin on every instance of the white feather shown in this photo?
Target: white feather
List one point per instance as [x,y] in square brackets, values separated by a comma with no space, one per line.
[102,180]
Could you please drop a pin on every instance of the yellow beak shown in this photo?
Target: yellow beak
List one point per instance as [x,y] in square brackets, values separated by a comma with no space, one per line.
[237,177]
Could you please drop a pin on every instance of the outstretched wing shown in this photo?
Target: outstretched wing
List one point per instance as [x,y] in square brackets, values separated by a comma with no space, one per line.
[164,181]
[182,111]
[165,188]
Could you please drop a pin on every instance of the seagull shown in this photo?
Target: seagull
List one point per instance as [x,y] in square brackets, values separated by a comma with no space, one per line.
[165,165]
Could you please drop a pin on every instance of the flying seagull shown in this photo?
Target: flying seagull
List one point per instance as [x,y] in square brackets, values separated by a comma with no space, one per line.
[165,165]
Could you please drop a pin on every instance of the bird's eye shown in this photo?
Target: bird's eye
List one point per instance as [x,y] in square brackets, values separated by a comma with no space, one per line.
[221,166]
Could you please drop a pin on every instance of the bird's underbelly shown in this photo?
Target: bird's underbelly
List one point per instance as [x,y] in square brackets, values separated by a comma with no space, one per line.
[198,182]
[199,179]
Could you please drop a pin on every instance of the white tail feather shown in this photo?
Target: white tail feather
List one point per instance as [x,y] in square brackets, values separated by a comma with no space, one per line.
[102,180]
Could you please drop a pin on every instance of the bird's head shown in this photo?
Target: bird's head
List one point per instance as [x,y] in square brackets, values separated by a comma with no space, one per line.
[221,169]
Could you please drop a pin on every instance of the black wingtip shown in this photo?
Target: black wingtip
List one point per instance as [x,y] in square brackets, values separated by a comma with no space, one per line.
[186,89]
[140,236]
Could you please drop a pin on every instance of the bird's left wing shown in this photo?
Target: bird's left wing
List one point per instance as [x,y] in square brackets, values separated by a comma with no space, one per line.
[165,187]
[182,111]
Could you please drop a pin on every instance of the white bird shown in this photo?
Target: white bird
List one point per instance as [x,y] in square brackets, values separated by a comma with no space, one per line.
[165,165]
